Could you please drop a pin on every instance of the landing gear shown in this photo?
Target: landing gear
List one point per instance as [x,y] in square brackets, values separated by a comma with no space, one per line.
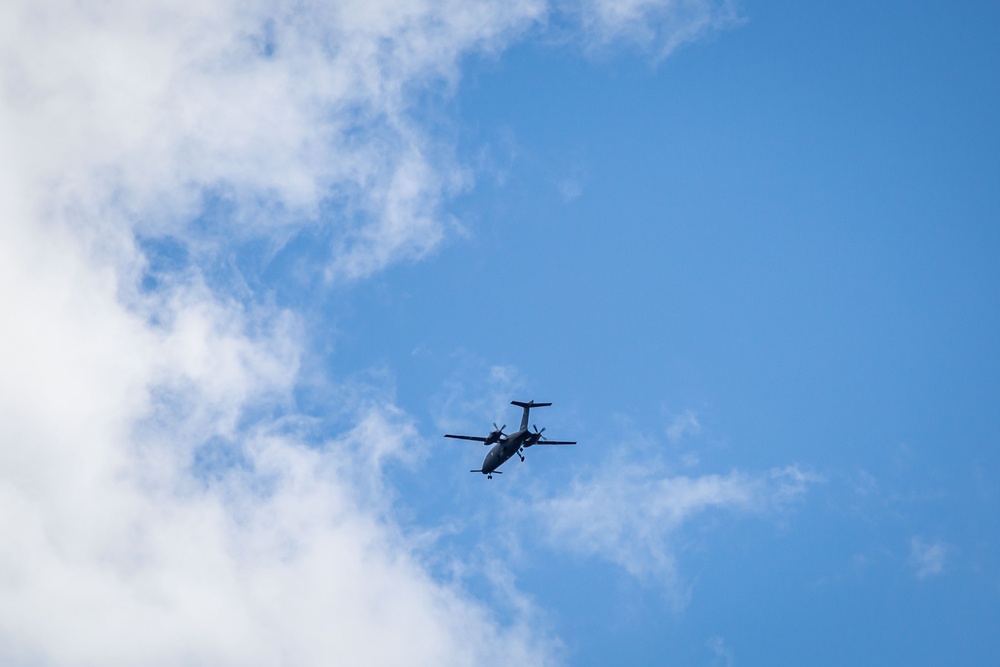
[521,455]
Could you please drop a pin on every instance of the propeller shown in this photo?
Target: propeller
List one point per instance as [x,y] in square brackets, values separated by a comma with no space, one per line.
[496,435]
[535,437]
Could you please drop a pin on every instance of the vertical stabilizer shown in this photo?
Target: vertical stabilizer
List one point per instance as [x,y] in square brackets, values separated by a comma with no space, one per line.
[527,407]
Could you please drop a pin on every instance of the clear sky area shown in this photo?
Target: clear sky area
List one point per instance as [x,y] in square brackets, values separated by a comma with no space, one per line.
[257,258]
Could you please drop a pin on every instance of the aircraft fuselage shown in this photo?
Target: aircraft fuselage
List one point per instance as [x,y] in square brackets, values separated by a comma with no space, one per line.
[505,449]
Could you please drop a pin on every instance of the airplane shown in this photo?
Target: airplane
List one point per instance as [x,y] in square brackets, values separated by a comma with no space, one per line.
[505,446]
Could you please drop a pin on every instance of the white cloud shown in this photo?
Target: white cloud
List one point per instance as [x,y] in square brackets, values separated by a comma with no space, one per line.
[723,654]
[659,25]
[116,118]
[113,553]
[685,424]
[290,112]
[281,108]
[630,514]
[569,188]
[927,558]
[124,118]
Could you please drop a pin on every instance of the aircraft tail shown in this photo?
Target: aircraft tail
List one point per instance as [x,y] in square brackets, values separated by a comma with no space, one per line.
[527,407]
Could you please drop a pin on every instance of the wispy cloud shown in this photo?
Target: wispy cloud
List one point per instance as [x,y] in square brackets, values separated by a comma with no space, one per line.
[661,26]
[631,514]
[478,394]
[722,654]
[927,558]
[683,425]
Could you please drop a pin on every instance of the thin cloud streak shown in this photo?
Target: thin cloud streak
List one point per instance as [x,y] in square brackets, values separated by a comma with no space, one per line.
[659,26]
[632,515]
[927,558]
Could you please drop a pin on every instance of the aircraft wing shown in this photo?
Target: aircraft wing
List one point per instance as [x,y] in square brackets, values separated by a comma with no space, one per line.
[465,437]
[554,442]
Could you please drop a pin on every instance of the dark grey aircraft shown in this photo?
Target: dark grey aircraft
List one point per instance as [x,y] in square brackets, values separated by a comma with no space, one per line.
[505,446]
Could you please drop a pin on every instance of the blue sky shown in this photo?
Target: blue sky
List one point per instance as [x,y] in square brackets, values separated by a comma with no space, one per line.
[758,275]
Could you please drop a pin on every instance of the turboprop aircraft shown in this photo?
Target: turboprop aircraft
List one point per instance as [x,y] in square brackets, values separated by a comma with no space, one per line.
[505,446]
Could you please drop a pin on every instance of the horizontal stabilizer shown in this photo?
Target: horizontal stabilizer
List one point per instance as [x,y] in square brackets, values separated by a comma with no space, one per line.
[554,442]
[530,404]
